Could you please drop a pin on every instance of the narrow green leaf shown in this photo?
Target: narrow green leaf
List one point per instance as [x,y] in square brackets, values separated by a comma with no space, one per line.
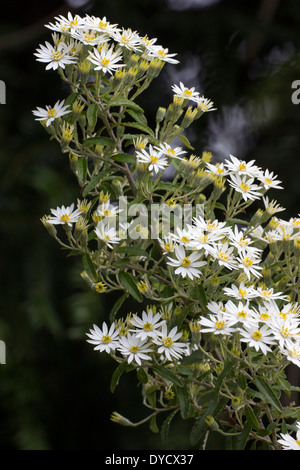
[91,115]
[153,425]
[198,293]
[183,400]
[81,168]
[95,181]
[138,125]
[116,376]
[242,439]
[124,102]
[116,307]
[105,141]
[89,267]
[186,142]
[227,366]
[267,392]
[124,157]
[164,430]
[128,281]
[132,251]
[251,418]
[167,374]
[142,375]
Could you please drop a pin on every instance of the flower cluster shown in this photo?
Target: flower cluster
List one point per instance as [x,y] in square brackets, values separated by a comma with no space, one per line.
[139,339]
[222,286]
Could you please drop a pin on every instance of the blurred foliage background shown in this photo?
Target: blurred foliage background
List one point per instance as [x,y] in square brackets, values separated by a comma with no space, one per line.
[54,389]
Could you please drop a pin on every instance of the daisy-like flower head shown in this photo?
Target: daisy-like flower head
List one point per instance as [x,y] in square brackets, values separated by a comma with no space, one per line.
[218,169]
[107,234]
[238,313]
[64,215]
[288,442]
[285,331]
[268,180]
[205,105]
[89,37]
[269,294]
[241,167]
[168,345]
[128,39]
[64,25]
[163,54]
[272,207]
[217,324]
[249,263]
[224,254]
[101,25]
[167,244]
[55,56]
[51,113]
[135,349]
[183,237]
[186,265]
[154,159]
[106,209]
[169,151]
[184,92]
[258,337]
[104,339]
[148,325]
[106,59]
[245,186]
[241,292]
[238,239]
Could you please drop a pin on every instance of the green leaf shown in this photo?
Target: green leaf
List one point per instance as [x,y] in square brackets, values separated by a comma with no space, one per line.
[95,181]
[124,157]
[198,293]
[105,141]
[214,408]
[183,400]
[164,431]
[89,267]
[138,125]
[129,283]
[124,102]
[132,251]
[142,376]
[186,142]
[267,392]
[167,374]
[251,418]
[91,115]
[227,366]
[242,440]
[116,307]
[81,168]
[116,376]
[153,425]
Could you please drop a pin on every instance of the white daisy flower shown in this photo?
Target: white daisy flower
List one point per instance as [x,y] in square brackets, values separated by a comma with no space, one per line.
[148,325]
[128,39]
[186,265]
[245,186]
[135,349]
[105,59]
[205,105]
[240,292]
[168,346]
[169,151]
[51,113]
[217,324]
[101,25]
[285,331]
[241,167]
[260,338]
[64,215]
[64,24]
[224,254]
[238,313]
[55,56]
[163,54]
[104,339]
[272,206]
[184,92]
[107,234]
[249,263]
[290,443]
[218,169]
[268,180]
[154,159]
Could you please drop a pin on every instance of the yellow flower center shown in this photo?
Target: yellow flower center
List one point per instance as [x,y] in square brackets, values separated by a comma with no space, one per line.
[154,158]
[220,324]
[247,261]
[106,339]
[105,61]
[187,92]
[148,326]
[257,335]
[242,314]
[242,292]
[134,349]
[242,166]
[284,332]
[52,112]
[244,186]
[57,55]
[264,316]
[185,239]
[65,218]
[168,341]
[186,262]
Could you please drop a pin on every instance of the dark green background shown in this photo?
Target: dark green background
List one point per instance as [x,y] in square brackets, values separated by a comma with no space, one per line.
[54,389]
